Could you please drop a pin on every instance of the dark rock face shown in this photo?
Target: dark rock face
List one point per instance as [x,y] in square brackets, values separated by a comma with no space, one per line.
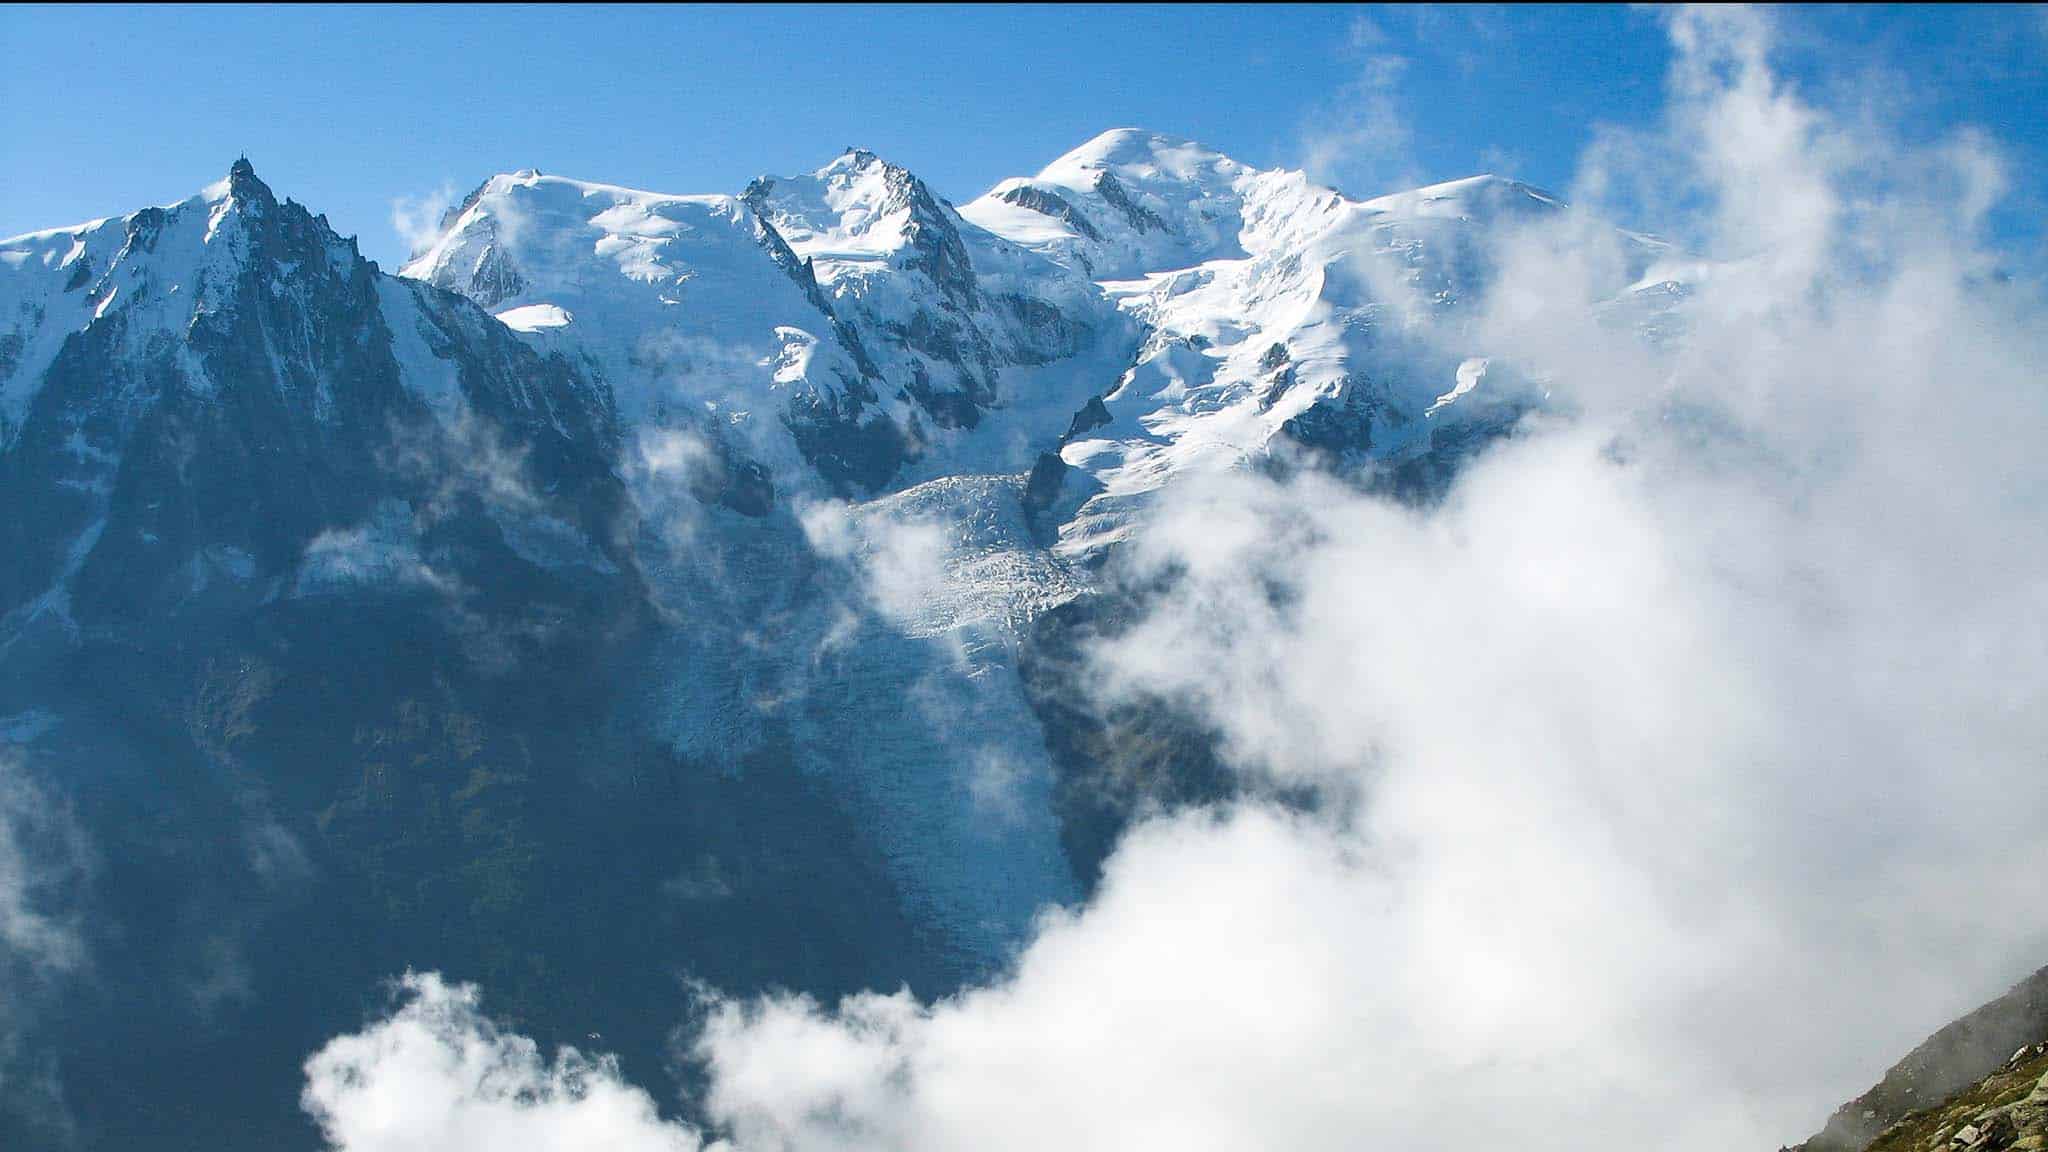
[1042,485]
[1142,218]
[853,455]
[1051,334]
[747,489]
[1050,203]
[1278,369]
[935,245]
[1115,760]
[1094,414]
[81,275]
[1341,427]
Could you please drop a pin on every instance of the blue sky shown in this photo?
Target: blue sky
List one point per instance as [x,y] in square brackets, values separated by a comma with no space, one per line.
[346,109]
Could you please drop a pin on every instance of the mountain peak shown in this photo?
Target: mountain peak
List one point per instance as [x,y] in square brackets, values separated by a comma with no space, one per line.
[858,161]
[1486,194]
[1145,155]
[1484,180]
[243,185]
[1122,145]
[1125,201]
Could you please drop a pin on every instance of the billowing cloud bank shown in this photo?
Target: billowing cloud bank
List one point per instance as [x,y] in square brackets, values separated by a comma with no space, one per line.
[438,1077]
[1684,765]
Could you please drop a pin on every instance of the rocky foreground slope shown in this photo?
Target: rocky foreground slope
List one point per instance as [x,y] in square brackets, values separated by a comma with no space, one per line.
[1979,1083]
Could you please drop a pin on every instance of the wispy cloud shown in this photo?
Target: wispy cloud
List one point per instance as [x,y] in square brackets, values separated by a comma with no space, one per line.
[417,219]
[41,850]
[45,860]
[1361,140]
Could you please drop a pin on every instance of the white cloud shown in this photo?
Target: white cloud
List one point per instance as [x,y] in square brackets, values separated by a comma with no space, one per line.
[384,548]
[669,469]
[41,852]
[900,560]
[417,219]
[1360,141]
[44,861]
[437,1076]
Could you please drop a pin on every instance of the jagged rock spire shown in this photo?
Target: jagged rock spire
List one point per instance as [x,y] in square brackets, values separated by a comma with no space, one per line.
[244,186]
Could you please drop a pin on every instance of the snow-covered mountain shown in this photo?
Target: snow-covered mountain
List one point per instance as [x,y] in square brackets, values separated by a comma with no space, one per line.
[1280,315]
[1141,306]
[735,548]
[192,394]
[1123,204]
[848,319]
